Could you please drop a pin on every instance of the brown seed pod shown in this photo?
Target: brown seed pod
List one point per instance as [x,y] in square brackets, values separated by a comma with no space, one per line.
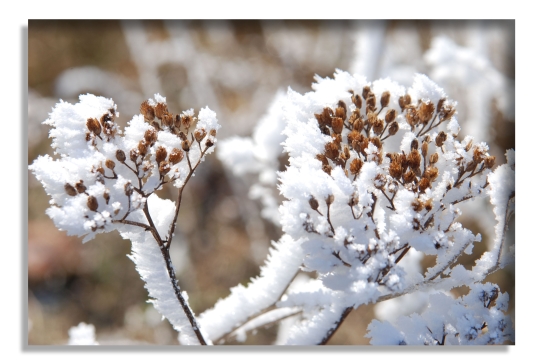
[160,110]
[324,161]
[167,120]
[340,112]
[393,128]
[327,169]
[346,152]
[371,102]
[434,158]
[424,148]
[94,126]
[120,155]
[70,190]
[414,144]
[429,205]
[366,91]
[337,125]
[80,187]
[200,134]
[395,170]
[326,116]
[313,203]
[160,154]
[404,101]
[378,126]
[411,116]
[425,112]
[134,155]
[431,173]
[164,168]
[186,145]
[390,115]
[329,200]
[92,203]
[441,138]
[417,205]
[147,111]
[142,148]
[176,155]
[110,164]
[424,183]
[186,121]
[357,100]
[209,143]
[128,189]
[106,196]
[409,176]
[414,159]
[358,125]
[489,162]
[353,200]
[177,121]
[355,166]
[213,132]
[376,141]
[331,150]
[150,137]
[384,100]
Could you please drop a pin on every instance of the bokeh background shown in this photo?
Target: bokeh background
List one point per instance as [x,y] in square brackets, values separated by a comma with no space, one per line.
[236,68]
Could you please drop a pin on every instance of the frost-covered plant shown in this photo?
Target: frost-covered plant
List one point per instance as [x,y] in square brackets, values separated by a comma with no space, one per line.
[375,171]
[106,180]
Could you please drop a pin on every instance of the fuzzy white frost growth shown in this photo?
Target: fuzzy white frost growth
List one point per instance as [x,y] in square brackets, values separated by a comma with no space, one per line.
[82,334]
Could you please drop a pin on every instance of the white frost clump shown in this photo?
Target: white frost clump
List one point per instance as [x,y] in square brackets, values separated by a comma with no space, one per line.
[82,334]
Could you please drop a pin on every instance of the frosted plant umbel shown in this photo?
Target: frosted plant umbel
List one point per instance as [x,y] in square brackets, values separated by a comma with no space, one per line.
[376,171]
[106,179]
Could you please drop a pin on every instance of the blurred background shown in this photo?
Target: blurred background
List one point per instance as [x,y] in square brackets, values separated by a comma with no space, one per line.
[236,68]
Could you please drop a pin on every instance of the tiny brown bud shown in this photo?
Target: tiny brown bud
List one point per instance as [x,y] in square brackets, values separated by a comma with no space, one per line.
[429,205]
[357,100]
[404,101]
[160,154]
[200,134]
[213,132]
[94,126]
[371,102]
[366,91]
[147,111]
[414,144]
[337,125]
[376,141]
[417,205]
[186,120]
[393,128]
[390,115]
[80,187]
[128,189]
[395,170]
[327,169]
[440,104]
[478,155]
[164,167]
[160,110]
[331,150]
[441,138]
[186,145]
[424,183]
[106,196]
[70,190]
[120,155]
[110,164]
[378,126]
[434,158]
[424,148]
[177,121]
[341,110]
[142,148]
[353,200]
[468,146]
[384,101]
[425,112]
[150,137]
[326,116]
[355,166]
[92,203]
[105,120]
[156,125]
[168,120]
[447,112]
[414,159]
[100,170]
[489,162]
[329,200]
[431,173]
[324,161]
[209,143]
[346,152]
[313,203]
[358,125]
[175,156]
[409,176]
[134,155]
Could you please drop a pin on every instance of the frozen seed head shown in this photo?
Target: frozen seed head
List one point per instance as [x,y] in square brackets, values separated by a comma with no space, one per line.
[357,100]
[120,155]
[209,143]
[337,124]
[160,110]
[92,203]
[94,126]
[186,145]
[134,155]
[164,168]
[366,91]
[150,137]
[440,139]
[168,120]
[128,189]
[390,115]
[489,162]
[384,100]
[424,149]
[147,111]
[175,156]
[355,166]
[160,154]
[200,134]
[213,132]
[142,148]
[329,200]
[404,101]
[313,203]
[414,144]
[106,196]
[424,183]
[425,112]
[80,187]
[70,190]
[378,126]
[110,164]
[434,158]
[393,128]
